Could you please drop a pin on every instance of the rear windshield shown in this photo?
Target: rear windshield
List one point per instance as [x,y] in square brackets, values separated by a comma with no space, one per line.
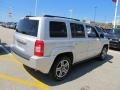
[28,27]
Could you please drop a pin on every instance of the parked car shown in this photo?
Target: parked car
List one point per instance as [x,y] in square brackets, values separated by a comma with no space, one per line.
[107,30]
[52,44]
[12,25]
[1,23]
[4,24]
[114,37]
[107,33]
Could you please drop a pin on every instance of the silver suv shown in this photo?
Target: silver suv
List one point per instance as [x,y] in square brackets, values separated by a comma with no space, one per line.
[52,44]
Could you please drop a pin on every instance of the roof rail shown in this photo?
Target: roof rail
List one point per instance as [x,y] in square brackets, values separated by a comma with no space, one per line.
[29,16]
[61,17]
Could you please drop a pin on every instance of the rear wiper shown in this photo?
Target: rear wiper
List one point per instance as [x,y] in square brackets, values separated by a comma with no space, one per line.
[23,32]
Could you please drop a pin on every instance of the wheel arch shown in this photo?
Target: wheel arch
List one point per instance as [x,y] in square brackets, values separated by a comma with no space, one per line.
[106,46]
[68,54]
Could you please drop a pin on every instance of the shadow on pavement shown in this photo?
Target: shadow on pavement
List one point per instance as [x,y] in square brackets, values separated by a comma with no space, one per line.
[2,51]
[115,49]
[76,72]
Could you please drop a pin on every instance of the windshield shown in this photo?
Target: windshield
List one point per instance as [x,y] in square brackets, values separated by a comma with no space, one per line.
[28,27]
[115,31]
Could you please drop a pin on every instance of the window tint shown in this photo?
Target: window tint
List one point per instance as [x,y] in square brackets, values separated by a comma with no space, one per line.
[117,32]
[100,31]
[28,27]
[77,30]
[91,32]
[58,29]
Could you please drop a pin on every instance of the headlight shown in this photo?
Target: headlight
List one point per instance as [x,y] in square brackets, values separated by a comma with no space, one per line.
[119,40]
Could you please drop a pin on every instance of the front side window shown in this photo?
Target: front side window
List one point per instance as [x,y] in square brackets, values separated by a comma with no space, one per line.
[99,30]
[77,30]
[58,29]
[91,32]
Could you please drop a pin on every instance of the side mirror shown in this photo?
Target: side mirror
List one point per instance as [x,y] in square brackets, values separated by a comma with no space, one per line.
[102,35]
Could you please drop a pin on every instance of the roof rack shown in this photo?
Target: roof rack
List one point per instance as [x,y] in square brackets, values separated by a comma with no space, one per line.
[29,16]
[61,17]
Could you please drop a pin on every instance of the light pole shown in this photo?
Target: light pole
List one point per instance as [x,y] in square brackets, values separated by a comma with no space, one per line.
[10,14]
[36,3]
[71,13]
[95,12]
[116,9]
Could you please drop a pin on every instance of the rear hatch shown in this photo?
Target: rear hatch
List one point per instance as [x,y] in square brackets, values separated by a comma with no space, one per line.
[25,37]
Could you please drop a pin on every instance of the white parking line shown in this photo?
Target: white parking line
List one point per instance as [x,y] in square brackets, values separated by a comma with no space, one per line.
[36,82]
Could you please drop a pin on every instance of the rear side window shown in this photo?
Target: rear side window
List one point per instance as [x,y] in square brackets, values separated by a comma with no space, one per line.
[77,30]
[28,27]
[58,29]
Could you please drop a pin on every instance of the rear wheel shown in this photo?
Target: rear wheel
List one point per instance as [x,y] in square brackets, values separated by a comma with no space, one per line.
[103,53]
[61,68]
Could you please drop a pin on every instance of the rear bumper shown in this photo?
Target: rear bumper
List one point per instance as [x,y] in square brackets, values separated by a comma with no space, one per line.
[43,64]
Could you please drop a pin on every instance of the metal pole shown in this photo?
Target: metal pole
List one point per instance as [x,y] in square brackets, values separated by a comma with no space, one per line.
[116,9]
[10,14]
[71,13]
[36,7]
[95,9]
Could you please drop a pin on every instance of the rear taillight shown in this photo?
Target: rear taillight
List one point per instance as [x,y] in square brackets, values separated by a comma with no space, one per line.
[39,48]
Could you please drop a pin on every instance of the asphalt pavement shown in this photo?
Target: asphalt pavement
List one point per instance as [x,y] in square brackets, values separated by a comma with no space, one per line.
[90,75]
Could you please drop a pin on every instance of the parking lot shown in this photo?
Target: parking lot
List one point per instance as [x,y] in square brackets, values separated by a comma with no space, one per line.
[90,75]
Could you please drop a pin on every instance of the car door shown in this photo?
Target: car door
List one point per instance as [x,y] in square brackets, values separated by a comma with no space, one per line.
[78,37]
[94,41]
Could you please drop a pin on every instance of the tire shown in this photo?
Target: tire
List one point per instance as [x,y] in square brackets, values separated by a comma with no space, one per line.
[61,68]
[103,53]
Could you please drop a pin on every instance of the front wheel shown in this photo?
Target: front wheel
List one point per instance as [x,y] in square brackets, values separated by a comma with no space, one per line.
[61,68]
[103,53]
